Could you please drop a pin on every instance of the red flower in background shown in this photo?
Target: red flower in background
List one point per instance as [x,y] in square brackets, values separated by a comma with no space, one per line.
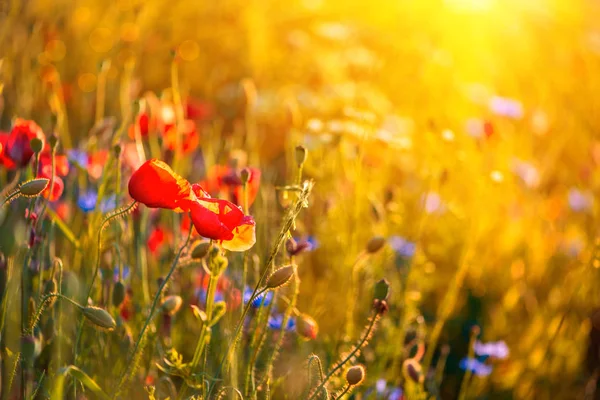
[156,185]
[96,163]
[157,238]
[190,139]
[18,147]
[52,193]
[4,159]
[226,181]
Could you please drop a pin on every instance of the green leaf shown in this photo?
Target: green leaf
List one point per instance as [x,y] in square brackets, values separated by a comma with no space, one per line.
[58,391]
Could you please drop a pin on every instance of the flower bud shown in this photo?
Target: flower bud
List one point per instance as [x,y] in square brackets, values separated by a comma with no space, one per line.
[118,294]
[172,304]
[36,144]
[200,249]
[219,309]
[117,150]
[301,153]
[53,141]
[381,290]
[412,370]
[99,317]
[375,244]
[245,175]
[306,326]
[34,187]
[355,375]
[281,276]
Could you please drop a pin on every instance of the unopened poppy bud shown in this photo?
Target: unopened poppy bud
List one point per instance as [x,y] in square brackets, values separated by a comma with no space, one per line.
[28,347]
[301,153]
[375,244]
[306,326]
[53,141]
[412,370]
[51,287]
[355,375]
[172,304]
[34,187]
[99,317]
[381,290]
[200,249]
[280,277]
[245,175]
[36,144]
[118,294]
[117,150]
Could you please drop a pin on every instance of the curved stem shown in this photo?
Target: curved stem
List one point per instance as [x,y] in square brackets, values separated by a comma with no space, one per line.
[150,315]
[346,390]
[348,357]
[11,197]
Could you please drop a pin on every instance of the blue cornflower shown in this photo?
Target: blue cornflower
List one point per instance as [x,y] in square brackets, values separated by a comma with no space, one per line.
[492,349]
[87,201]
[275,322]
[475,366]
[402,246]
[258,300]
[78,157]
[396,394]
[126,271]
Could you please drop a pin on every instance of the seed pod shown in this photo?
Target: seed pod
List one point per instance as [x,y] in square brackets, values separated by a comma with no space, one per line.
[355,375]
[99,317]
[381,290]
[412,370]
[172,304]
[281,276]
[34,187]
[301,154]
[306,326]
[36,144]
[200,249]
[375,244]
[118,294]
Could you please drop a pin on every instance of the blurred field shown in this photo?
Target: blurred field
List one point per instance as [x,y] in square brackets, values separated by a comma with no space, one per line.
[464,132]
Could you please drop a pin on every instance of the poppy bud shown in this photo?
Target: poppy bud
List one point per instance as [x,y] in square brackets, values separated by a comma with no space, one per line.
[375,244]
[219,309]
[412,370]
[245,175]
[34,187]
[355,375]
[51,287]
[53,141]
[200,249]
[118,294]
[36,144]
[218,264]
[99,317]
[117,150]
[172,304]
[381,290]
[306,326]
[281,276]
[301,153]
[28,347]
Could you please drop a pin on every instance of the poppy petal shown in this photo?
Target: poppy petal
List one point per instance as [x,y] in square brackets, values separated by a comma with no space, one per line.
[207,223]
[244,236]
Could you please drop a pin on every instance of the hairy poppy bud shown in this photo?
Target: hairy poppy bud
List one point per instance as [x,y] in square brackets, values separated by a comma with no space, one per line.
[36,144]
[99,317]
[375,244]
[53,141]
[33,187]
[172,304]
[355,375]
[200,249]
[306,326]
[412,370]
[381,290]
[301,153]
[118,294]
[280,277]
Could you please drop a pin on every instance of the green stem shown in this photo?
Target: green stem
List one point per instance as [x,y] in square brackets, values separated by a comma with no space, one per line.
[149,318]
[348,357]
[346,390]
[462,395]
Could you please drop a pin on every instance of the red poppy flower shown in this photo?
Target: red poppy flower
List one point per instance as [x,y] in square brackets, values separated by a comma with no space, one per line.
[96,163]
[197,109]
[4,159]
[190,139]
[223,221]
[158,237]
[52,193]
[61,163]
[226,181]
[18,147]
[156,185]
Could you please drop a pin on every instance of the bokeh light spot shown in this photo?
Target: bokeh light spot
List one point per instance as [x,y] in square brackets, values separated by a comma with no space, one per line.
[87,82]
[56,50]
[189,50]
[101,40]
